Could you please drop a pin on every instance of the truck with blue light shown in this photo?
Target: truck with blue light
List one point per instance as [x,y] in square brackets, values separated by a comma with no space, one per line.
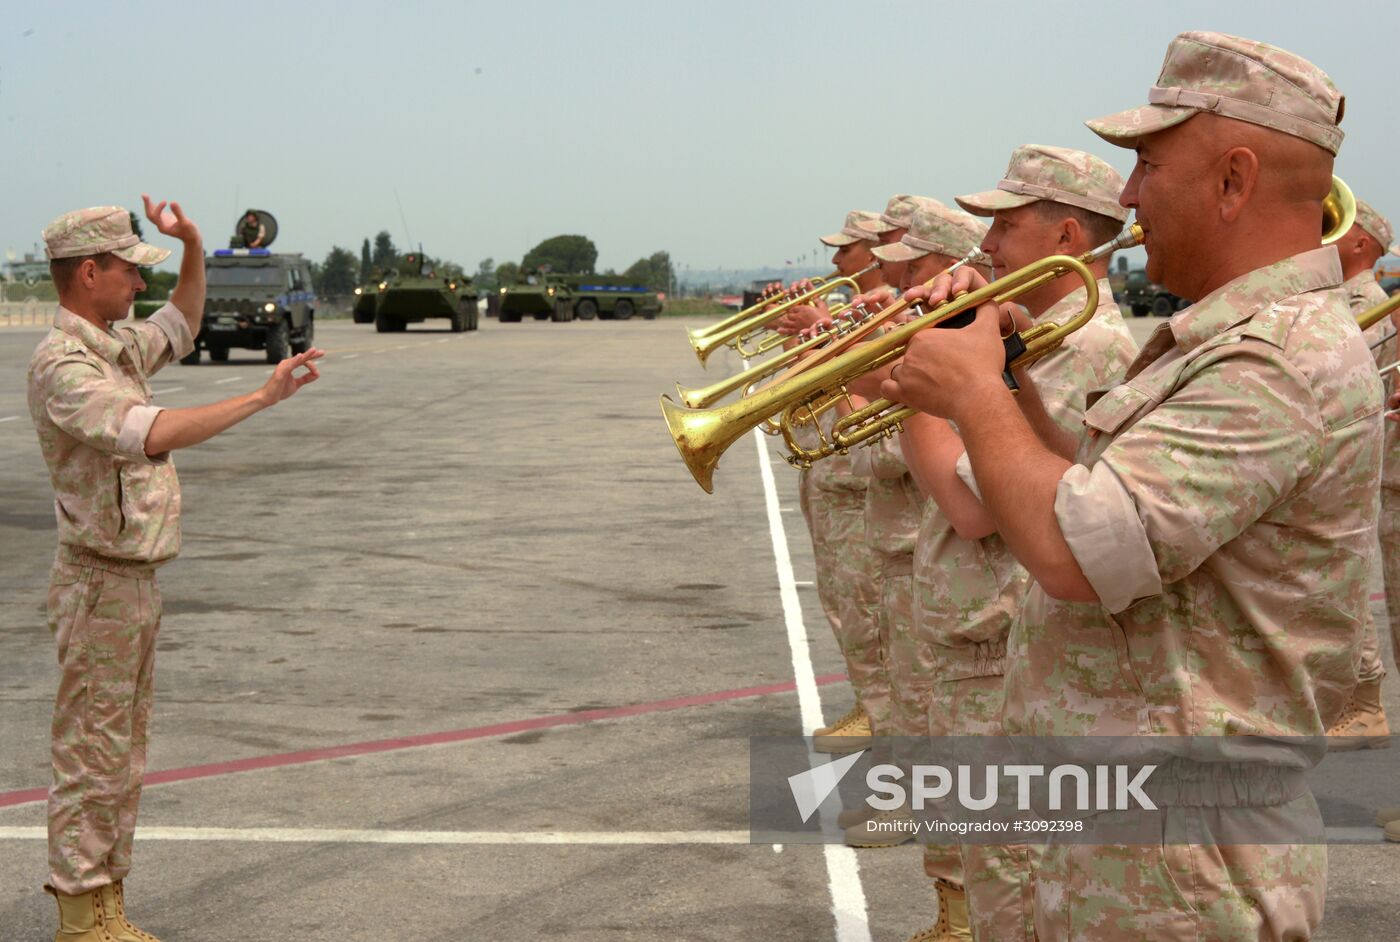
[256,299]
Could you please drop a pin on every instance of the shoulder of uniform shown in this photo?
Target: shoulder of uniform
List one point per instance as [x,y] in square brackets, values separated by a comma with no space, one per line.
[60,348]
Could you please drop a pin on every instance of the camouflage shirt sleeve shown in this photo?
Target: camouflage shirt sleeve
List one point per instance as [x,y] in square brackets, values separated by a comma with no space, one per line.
[154,342]
[1192,474]
[83,403]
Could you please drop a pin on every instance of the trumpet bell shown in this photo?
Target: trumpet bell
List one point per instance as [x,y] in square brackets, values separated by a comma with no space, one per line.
[701,436]
[1338,211]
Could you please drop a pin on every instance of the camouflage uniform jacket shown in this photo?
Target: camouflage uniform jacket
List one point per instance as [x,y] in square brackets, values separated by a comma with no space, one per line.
[91,405]
[892,505]
[967,592]
[836,473]
[1364,293]
[1223,510]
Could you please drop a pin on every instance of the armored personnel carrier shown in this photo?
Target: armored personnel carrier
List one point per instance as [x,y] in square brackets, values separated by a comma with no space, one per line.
[566,297]
[413,292]
[256,299]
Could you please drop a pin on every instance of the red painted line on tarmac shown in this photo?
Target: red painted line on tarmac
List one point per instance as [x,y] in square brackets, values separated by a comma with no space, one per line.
[1377,596]
[24,796]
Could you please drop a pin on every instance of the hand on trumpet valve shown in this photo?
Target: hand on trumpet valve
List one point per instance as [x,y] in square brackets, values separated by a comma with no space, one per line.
[873,301]
[801,316]
[944,372]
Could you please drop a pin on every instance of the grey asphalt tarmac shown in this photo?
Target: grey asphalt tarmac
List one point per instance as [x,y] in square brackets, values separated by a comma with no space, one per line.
[487,536]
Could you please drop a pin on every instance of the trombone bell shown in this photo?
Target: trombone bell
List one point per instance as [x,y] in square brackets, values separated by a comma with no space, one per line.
[1338,211]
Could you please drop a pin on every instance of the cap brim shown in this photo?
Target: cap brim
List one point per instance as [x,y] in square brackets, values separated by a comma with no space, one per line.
[142,254]
[1124,128]
[838,239]
[989,201]
[897,252]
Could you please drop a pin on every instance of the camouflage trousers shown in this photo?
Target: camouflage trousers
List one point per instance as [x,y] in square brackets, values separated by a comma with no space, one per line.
[104,615]
[1169,892]
[1390,571]
[998,878]
[845,587]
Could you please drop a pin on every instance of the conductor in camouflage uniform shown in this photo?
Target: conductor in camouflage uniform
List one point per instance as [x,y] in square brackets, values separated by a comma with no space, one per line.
[1214,530]
[117,503]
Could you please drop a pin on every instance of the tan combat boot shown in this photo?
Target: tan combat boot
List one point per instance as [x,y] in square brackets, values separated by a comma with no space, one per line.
[850,817]
[80,917]
[1362,724]
[114,910]
[952,924]
[848,737]
[883,829]
[1387,815]
[851,716]
[1392,831]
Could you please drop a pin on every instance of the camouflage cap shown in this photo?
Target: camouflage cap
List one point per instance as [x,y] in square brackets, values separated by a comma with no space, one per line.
[1057,174]
[936,228]
[1375,225]
[1236,78]
[899,211]
[96,230]
[858,226]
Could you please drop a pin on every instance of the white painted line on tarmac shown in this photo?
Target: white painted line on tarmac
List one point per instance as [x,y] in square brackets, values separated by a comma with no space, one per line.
[167,389]
[373,836]
[800,584]
[231,379]
[349,356]
[9,418]
[842,868]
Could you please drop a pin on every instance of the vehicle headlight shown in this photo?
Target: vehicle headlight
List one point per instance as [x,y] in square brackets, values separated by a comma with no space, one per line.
[551,292]
[269,307]
[383,285]
[452,286]
[503,291]
[359,291]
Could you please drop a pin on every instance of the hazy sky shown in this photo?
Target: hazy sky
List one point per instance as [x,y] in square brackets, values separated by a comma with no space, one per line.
[730,134]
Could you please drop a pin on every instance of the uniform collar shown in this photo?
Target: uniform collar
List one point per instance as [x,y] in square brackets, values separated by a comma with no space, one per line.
[102,342]
[1238,300]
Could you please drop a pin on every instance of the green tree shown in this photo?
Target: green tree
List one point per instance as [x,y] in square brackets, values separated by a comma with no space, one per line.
[385,254]
[365,265]
[565,254]
[159,284]
[655,272]
[507,273]
[336,275]
[485,277]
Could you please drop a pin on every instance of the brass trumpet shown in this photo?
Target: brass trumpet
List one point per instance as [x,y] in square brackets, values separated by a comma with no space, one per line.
[746,313]
[740,332]
[703,435]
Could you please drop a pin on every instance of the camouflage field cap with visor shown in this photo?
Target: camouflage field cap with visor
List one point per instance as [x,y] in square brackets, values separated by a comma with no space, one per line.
[96,230]
[858,227]
[899,212]
[1375,225]
[1235,78]
[1057,174]
[939,229]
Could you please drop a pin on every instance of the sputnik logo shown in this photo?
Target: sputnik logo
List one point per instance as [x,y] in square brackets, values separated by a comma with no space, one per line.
[811,788]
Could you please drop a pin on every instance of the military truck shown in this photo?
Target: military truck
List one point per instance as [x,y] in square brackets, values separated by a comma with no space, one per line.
[1143,295]
[565,297]
[412,292]
[256,299]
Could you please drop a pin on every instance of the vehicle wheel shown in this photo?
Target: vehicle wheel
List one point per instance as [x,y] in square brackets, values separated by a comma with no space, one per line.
[382,325]
[508,317]
[459,322]
[1162,306]
[192,358]
[623,311]
[307,335]
[1182,304]
[475,318]
[649,314]
[1140,310]
[563,312]
[277,343]
[400,326]
[218,354]
[586,310]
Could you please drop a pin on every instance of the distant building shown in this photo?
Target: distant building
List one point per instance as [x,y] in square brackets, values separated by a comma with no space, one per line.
[28,270]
